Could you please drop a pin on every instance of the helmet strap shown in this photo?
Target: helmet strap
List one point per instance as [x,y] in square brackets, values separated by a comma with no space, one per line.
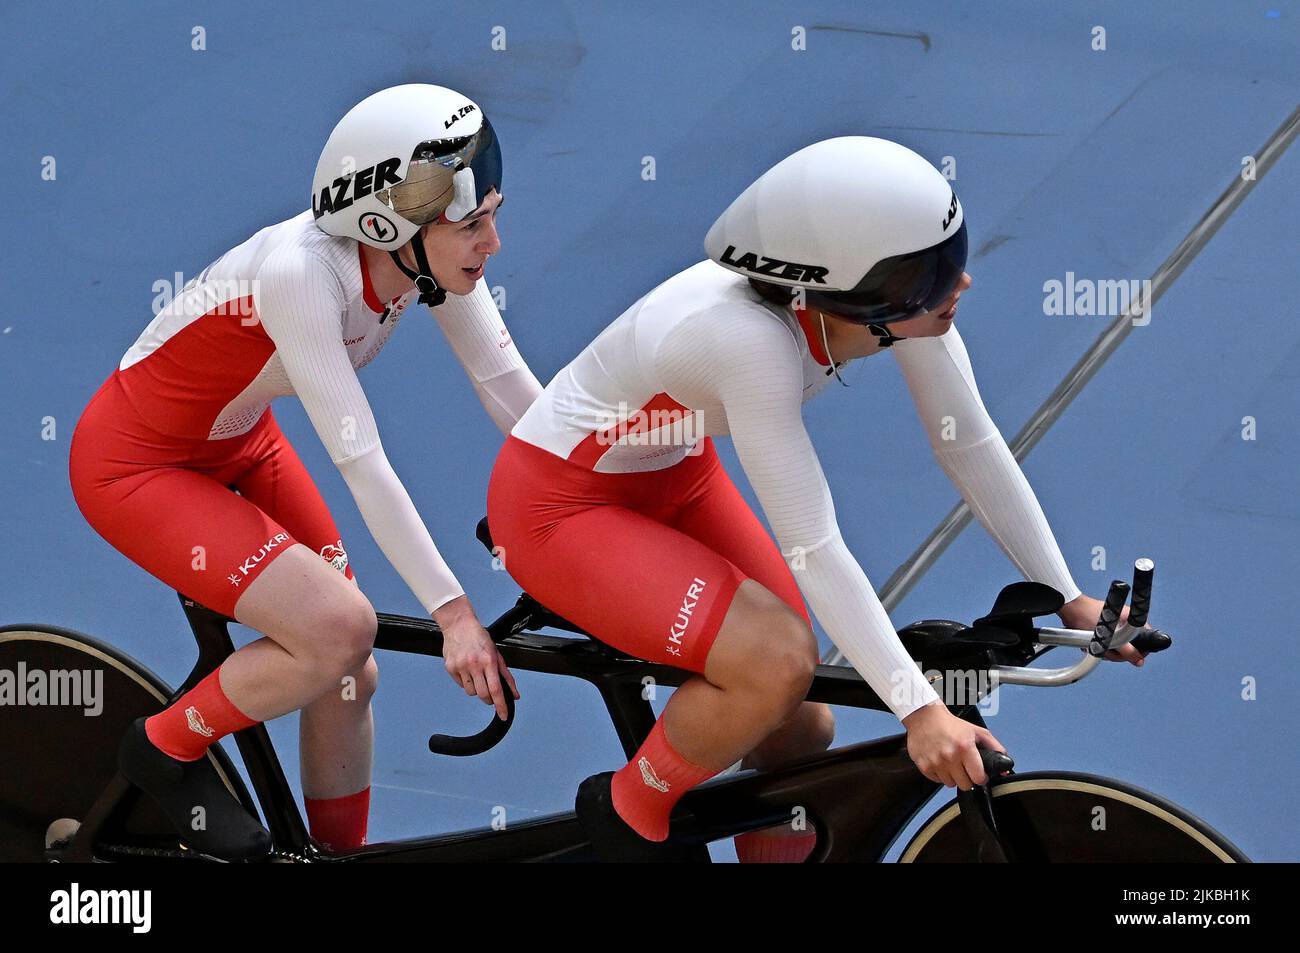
[826,346]
[425,283]
[882,332]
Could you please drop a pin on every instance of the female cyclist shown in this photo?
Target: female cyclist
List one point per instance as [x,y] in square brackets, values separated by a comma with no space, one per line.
[613,509]
[179,464]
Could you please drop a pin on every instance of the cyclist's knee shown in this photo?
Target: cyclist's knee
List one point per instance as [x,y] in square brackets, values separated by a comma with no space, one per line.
[343,634]
[367,679]
[361,683]
[789,660]
[357,626]
[764,646]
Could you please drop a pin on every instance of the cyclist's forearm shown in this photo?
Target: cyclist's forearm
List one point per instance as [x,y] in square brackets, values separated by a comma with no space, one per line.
[1001,498]
[397,528]
[841,597]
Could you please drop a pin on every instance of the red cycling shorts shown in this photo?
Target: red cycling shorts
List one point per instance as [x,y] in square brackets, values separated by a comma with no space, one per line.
[645,562]
[166,503]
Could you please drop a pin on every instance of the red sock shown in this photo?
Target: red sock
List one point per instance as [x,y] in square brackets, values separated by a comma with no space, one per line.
[652,782]
[196,720]
[339,822]
[775,845]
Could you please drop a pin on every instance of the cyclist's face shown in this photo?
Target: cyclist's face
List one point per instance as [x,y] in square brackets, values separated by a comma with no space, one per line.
[458,250]
[933,323]
[850,339]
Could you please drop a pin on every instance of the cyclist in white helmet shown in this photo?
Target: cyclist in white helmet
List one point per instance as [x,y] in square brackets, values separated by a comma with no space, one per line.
[179,464]
[614,511]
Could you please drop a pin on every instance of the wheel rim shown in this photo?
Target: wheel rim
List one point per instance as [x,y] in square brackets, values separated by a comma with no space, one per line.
[1175,825]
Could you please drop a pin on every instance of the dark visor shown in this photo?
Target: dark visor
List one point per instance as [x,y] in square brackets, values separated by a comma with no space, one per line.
[484,158]
[486,163]
[902,286]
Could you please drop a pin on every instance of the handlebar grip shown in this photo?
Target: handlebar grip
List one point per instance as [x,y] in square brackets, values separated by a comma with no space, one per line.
[996,763]
[1143,570]
[458,746]
[1110,610]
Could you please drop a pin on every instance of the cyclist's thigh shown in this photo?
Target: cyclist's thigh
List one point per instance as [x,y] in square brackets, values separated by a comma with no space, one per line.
[308,608]
[278,484]
[713,512]
[634,583]
[187,529]
[769,623]
[165,504]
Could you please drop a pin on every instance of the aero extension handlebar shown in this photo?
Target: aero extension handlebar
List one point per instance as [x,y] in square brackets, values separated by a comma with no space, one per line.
[1107,635]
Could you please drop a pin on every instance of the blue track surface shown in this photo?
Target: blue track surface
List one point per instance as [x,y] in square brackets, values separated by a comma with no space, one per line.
[1067,159]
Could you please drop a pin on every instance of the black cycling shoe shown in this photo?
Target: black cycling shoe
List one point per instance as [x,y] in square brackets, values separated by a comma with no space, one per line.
[230,833]
[612,840]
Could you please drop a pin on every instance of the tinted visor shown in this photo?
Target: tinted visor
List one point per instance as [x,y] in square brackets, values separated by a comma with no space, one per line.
[902,286]
[485,163]
[432,187]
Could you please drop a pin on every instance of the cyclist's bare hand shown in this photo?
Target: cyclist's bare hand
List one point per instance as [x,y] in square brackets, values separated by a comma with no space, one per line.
[1084,612]
[945,748]
[471,657]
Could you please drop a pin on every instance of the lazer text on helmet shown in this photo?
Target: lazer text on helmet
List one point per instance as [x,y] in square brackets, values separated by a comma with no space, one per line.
[455,117]
[952,212]
[363,182]
[763,265]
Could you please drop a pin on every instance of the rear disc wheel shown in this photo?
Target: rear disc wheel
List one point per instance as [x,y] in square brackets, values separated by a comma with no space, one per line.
[60,743]
[1063,817]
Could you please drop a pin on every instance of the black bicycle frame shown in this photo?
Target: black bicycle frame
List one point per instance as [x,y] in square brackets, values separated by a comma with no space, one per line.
[859,797]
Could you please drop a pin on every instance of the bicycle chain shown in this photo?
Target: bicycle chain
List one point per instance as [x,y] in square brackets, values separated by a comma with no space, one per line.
[169,853]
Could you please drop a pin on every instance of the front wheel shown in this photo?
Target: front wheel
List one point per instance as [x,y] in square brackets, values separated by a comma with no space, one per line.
[1061,817]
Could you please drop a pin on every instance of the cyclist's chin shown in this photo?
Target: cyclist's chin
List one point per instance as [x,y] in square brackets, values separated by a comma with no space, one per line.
[459,282]
[928,325]
[931,324]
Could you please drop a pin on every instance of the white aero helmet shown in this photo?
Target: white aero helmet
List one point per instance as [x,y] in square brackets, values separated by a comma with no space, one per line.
[400,159]
[869,229]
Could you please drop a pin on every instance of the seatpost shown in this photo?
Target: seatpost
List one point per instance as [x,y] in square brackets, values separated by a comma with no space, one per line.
[213,638]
